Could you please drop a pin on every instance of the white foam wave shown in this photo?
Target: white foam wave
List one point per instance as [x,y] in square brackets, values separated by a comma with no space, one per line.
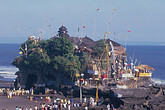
[9,77]
[158,81]
[8,72]
[8,68]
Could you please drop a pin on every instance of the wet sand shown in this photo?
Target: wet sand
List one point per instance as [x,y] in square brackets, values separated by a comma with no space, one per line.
[20,101]
[24,101]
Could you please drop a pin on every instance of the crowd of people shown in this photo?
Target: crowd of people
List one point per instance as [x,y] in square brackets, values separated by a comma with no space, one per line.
[64,104]
[12,92]
[50,103]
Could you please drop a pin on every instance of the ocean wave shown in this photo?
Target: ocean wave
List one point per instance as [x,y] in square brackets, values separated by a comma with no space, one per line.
[9,77]
[158,81]
[8,72]
[8,68]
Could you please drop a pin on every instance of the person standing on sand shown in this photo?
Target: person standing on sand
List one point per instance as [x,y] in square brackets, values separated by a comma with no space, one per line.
[35,107]
[108,107]
[56,107]
[69,107]
[65,104]
[71,102]
[112,107]
[134,107]
[30,108]
[16,108]
[20,108]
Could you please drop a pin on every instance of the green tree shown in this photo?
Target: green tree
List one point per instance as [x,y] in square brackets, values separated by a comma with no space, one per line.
[48,57]
[60,46]
[64,68]
[84,59]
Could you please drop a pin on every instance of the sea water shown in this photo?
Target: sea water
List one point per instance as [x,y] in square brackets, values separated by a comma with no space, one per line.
[7,54]
[153,56]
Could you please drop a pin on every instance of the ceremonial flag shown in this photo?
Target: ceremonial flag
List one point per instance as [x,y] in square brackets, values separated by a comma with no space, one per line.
[25,47]
[129,30]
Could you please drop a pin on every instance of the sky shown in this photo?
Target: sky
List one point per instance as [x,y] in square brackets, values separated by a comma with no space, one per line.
[144,18]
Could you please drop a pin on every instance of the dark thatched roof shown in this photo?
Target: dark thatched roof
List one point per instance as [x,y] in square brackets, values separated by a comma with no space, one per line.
[113,42]
[62,28]
[82,42]
[88,42]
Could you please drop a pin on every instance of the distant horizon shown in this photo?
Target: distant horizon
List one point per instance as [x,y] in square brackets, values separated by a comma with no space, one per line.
[129,43]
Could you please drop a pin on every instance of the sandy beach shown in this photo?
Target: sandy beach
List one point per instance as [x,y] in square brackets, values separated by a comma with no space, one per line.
[20,101]
[24,102]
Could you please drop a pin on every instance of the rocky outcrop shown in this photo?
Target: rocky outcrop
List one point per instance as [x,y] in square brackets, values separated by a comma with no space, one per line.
[142,98]
[152,98]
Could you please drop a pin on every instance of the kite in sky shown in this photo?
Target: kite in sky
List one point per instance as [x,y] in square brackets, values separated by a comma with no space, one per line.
[115,9]
[129,30]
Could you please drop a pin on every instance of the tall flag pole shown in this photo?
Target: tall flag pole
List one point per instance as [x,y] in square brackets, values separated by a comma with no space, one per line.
[94,29]
[83,26]
[110,19]
[77,34]
[126,38]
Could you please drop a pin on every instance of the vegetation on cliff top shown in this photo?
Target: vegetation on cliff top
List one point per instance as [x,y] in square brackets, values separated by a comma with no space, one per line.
[53,58]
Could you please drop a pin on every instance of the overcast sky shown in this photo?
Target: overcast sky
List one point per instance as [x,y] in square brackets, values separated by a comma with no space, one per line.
[144,18]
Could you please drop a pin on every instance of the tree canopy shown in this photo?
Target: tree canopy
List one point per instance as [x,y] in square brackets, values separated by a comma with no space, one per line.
[48,57]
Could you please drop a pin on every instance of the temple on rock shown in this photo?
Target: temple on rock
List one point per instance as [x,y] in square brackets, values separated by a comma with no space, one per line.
[103,58]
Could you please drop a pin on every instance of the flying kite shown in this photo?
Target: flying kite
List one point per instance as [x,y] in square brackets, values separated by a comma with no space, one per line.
[115,9]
